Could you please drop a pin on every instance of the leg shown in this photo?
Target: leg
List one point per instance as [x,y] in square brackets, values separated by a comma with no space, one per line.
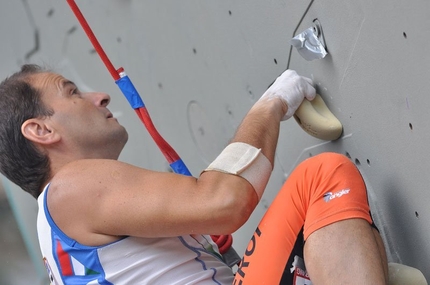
[346,252]
[341,245]
[320,192]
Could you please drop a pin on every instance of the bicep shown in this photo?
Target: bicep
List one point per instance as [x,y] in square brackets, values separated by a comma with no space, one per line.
[127,200]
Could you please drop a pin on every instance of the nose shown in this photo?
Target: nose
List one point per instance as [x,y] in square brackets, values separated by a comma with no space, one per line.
[99,98]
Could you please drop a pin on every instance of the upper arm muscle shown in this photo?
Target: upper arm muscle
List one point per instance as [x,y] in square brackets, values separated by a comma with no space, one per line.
[111,198]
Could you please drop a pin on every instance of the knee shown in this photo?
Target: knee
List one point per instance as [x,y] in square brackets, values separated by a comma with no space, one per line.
[330,164]
[323,170]
[329,160]
[331,157]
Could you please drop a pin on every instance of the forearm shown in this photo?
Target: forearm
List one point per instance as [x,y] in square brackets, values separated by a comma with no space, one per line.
[251,153]
[260,127]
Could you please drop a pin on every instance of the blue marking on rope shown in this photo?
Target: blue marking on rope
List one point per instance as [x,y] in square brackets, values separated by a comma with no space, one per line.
[130,92]
[180,168]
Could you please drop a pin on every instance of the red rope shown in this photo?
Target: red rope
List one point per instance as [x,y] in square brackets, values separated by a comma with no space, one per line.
[168,152]
[93,39]
[224,242]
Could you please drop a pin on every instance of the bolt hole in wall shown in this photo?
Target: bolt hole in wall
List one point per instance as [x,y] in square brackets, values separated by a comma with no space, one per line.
[72,30]
[50,12]
[357,161]
[417,215]
[404,35]
[411,127]
[251,94]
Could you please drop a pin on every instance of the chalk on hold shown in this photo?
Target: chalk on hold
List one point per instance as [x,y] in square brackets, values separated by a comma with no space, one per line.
[316,119]
[400,274]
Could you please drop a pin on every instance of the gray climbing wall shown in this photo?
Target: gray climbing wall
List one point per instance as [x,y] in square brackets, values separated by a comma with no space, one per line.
[200,65]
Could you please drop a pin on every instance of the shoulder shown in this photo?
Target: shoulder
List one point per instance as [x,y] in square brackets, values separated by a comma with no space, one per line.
[87,181]
[75,193]
[91,173]
[79,177]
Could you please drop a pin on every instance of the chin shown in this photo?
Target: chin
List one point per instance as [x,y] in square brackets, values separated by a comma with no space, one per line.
[125,136]
[122,140]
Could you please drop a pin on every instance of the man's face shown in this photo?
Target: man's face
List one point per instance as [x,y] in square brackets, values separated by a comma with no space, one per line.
[86,126]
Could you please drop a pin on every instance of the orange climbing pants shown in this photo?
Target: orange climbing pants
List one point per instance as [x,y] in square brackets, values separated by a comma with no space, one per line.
[322,190]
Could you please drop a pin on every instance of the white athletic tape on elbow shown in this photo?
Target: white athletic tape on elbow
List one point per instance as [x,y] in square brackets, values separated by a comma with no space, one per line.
[246,161]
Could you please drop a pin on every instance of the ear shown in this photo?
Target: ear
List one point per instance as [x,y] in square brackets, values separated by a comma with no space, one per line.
[38,131]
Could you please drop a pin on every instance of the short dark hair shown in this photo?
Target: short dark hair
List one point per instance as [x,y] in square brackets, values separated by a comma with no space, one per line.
[20,160]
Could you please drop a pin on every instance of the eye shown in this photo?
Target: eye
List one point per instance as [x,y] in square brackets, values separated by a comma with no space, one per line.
[75,91]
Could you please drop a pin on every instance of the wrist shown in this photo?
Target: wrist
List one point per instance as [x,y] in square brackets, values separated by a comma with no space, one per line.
[275,107]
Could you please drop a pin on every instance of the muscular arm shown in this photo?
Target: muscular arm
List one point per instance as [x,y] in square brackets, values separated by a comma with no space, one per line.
[96,201]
